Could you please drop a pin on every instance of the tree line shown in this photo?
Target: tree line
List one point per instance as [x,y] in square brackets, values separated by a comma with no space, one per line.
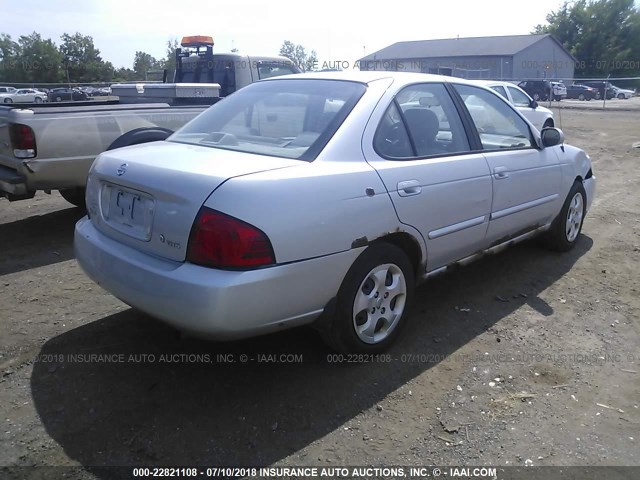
[33,59]
[603,35]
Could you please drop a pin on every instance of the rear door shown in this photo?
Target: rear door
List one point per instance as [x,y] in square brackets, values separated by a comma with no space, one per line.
[526,179]
[418,145]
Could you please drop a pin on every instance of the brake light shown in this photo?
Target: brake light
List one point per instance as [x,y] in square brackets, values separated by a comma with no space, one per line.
[220,241]
[23,140]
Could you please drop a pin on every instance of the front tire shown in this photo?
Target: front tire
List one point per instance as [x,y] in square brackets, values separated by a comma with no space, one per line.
[38,100]
[373,301]
[566,228]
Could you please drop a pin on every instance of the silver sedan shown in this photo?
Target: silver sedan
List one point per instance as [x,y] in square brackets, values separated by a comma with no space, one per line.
[323,199]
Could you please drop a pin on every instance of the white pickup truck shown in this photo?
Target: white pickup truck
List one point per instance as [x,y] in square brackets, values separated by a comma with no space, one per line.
[51,147]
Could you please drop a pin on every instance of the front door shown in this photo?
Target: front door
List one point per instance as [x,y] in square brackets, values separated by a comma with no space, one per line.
[526,178]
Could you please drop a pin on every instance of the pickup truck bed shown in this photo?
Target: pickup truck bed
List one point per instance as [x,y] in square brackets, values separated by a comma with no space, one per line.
[68,138]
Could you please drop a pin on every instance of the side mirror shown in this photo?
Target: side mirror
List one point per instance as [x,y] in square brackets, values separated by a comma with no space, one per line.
[552,136]
[533,104]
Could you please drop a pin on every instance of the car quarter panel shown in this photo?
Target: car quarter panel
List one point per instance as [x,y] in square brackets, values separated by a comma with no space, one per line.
[315,209]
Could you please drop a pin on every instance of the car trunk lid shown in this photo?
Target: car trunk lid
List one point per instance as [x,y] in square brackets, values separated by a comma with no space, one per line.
[147,196]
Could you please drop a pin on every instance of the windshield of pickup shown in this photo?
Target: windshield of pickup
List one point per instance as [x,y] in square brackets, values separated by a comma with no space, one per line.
[281,118]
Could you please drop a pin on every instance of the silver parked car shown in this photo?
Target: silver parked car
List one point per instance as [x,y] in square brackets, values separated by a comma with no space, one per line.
[327,192]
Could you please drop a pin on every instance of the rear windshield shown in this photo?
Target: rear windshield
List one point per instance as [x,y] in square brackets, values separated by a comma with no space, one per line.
[281,118]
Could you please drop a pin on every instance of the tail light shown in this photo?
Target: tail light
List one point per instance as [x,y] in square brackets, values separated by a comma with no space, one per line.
[220,241]
[23,140]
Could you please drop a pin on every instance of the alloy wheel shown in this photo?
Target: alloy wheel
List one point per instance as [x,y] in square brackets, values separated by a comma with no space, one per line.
[379,303]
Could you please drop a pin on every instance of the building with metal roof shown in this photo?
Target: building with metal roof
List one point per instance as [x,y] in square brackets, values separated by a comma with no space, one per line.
[512,57]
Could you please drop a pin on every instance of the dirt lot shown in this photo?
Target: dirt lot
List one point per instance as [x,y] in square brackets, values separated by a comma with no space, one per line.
[527,357]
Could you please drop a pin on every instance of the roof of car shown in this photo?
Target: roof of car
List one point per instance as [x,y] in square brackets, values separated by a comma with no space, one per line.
[369,76]
[493,83]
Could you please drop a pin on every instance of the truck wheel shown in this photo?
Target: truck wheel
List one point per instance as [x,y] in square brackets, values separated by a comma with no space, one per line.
[74,196]
[141,135]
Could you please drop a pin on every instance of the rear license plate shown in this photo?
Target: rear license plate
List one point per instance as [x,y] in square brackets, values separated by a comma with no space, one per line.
[128,211]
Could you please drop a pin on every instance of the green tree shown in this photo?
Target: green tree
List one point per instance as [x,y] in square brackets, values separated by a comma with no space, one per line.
[604,35]
[298,55]
[143,63]
[170,59]
[123,74]
[82,59]
[40,60]
[9,53]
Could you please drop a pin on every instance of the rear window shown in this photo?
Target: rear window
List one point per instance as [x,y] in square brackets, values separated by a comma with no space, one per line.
[281,118]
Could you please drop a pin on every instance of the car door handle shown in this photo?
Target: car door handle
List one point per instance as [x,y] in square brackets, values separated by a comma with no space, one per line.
[500,172]
[409,187]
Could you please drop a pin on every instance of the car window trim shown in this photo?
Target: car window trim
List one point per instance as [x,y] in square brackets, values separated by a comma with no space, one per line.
[414,150]
[475,144]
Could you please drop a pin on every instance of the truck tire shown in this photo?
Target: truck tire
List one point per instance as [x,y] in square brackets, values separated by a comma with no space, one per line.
[140,135]
[75,196]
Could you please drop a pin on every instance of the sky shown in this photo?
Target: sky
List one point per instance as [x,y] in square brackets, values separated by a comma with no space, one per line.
[338,30]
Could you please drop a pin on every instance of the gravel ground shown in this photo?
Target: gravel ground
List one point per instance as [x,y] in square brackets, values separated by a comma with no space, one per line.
[526,357]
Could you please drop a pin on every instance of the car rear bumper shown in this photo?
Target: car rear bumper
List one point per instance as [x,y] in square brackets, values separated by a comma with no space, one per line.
[209,302]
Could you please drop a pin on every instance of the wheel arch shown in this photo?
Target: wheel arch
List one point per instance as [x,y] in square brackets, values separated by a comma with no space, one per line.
[140,135]
[409,245]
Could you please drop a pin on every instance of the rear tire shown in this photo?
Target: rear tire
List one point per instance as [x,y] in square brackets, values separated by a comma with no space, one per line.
[372,302]
[8,100]
[58,99]
[75,196]
[566,228]
[621,96]
[536,97]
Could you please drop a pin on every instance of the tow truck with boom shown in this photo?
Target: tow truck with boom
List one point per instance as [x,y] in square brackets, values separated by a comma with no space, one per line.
[52,146]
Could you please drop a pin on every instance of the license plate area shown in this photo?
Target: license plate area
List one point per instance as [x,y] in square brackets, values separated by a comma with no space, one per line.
[127,211]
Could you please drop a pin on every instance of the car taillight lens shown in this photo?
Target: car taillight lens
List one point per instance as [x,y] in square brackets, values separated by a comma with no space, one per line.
[23,140]
[220,241]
